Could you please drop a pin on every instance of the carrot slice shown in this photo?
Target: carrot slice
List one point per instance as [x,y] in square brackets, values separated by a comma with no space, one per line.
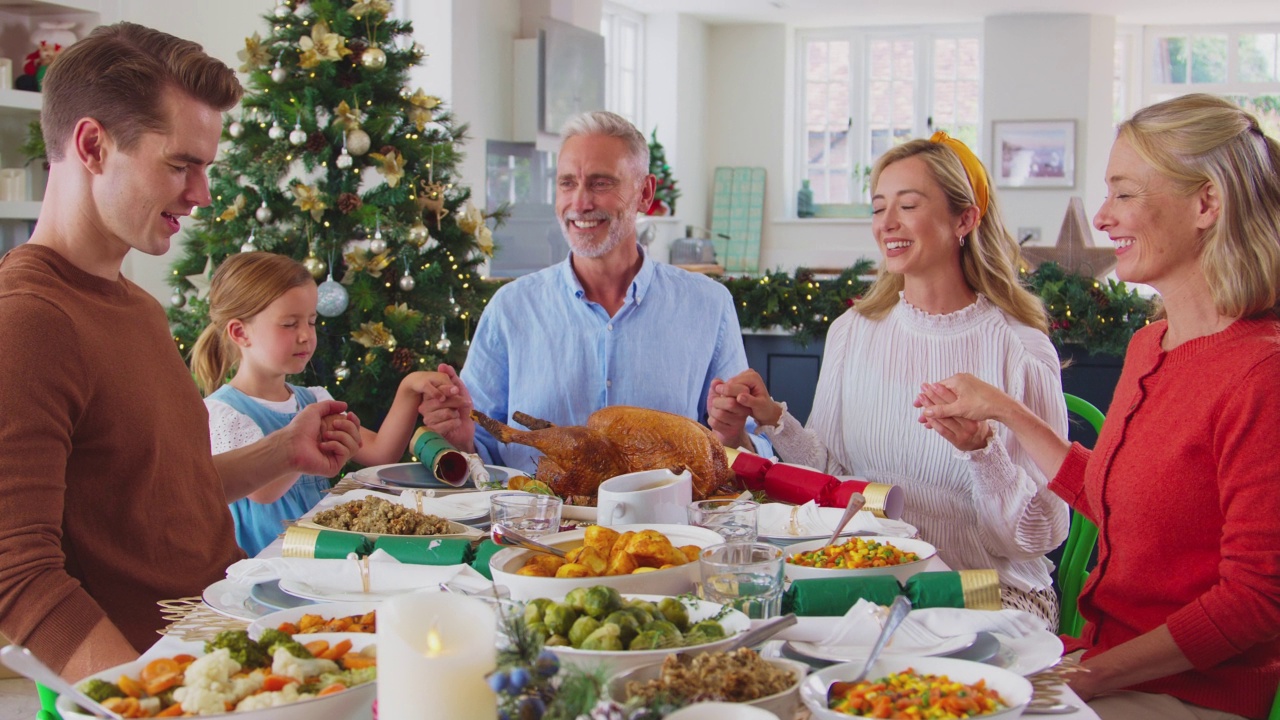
[163,682]
[272,683]
[158,667]
[352,661]
[317,647]
[288,628]
[338,650]
[184,659]
[334,688]
[174,710]
[131,687]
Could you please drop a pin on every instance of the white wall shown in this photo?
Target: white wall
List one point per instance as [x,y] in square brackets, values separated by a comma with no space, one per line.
[676,103]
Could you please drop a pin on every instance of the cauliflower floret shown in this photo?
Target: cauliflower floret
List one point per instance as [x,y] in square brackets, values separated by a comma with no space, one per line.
[300,668]
[285,696]
[207,685]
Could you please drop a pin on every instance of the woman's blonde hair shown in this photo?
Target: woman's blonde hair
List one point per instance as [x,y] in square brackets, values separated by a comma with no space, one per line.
[243,286]
[1201,139]
[989,256]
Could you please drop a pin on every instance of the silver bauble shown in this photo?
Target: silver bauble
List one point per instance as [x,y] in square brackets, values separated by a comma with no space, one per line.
[177,299]
[377,245]
[358,142]
[407,283]
[297,136]
[235,129]
[332,298]
[418,235]
[344,160]
[315,266]
[443,344]
[283,10]
[248,246]
[263,213]
[342,372]
[373,58]
[279,74]
[276,132]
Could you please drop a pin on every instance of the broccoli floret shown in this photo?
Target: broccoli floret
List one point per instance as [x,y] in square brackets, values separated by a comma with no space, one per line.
[243,650]
[271,636]
[100,690]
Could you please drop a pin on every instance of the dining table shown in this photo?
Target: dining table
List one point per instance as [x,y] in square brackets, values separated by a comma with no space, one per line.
[1067,704]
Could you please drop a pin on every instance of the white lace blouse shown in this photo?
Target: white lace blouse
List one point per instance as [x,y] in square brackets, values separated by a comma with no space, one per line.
[984,509]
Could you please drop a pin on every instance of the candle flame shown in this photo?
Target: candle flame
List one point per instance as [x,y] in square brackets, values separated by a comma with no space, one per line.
[434,644]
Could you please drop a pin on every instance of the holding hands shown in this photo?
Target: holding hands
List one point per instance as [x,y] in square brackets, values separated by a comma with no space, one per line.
[446,407]
[958,409]
[730,403]
[321,438]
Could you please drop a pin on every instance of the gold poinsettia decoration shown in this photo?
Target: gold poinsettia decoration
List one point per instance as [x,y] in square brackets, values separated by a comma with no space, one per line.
[420,107]
[484,239]
[321,46]
[309,199]
[234,209]
[471,220]
[372,335]
[360,260]
[254,54]
[401,313]
[390,164]
[346,116]
[364,7]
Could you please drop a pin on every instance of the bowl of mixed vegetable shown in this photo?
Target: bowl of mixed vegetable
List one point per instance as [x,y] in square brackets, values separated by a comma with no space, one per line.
[275,677]
[919,688]
[858,557]
[598,627]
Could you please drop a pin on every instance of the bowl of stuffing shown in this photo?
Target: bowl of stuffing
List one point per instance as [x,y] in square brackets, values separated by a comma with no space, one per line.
[375,517]
[740,676]
[858,557]
[273,678]
[903,687]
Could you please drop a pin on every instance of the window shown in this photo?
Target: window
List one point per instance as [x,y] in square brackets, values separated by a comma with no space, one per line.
[1240,63]
[623,32]
[862,92]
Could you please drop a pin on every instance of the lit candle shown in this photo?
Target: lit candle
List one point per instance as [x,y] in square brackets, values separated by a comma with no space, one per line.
[434,650]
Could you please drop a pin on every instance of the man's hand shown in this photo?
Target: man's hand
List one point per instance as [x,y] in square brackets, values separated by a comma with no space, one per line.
[730,403]
[446,408]
[966,435]
[321,439]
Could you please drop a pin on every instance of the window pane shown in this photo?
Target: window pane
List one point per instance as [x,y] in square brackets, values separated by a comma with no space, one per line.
[838,150]
[816,61]
[904,105]
[816,106]
[967,99]
[839,62]
[881,56]
[944,105]
[838,188]
[626,43]
[904,59]
[967,63]
[880,112]
[817,148]
[1266,108]
[1258,58]
[944,59]
[1170,62]
[1209,59]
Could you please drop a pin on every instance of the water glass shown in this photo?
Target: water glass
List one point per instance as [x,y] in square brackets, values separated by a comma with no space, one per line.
[733,520]
[530,515]
[745,576]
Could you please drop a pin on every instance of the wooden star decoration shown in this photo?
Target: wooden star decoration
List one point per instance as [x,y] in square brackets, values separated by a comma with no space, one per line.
[200,281]
[1075,251]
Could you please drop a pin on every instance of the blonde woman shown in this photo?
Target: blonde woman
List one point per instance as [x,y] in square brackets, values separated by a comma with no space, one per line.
[947,300]
[1183,611]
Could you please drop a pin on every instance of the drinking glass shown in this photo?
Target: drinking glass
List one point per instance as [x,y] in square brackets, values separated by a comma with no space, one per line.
[733,520]
[530,515]
[745,576]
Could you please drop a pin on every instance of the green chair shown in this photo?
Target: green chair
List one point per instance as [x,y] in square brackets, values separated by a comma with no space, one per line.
[1073,569]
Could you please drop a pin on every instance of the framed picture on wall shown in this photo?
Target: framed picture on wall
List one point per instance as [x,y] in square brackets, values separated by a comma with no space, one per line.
[1034,153]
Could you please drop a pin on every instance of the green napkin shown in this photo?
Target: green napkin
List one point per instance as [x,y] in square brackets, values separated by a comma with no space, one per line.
[484,552]
[828,597]
[426,550]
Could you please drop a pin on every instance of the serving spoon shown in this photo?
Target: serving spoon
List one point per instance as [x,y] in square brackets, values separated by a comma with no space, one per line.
[897,613]
[856,502]
[507,537]
[22,661]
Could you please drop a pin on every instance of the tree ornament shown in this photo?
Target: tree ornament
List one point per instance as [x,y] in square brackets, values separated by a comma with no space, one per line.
[298,136]
[373,58]
[419,235]
[315,266]
[279,74]
[358,141]
[263,213]
[342,372]
[377,245]
[454,307]
[236,129]
[443,344]
[402,360]
[391,344]
[177,299]
[282,10]
[407,283]
[277,131]
[333,298]
[344,159]
[248,245]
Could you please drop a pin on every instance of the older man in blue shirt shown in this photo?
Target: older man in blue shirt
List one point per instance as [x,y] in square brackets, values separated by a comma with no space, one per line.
[608,326]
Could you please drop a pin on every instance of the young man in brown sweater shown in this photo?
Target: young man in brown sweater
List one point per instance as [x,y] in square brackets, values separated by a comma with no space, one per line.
[109,497]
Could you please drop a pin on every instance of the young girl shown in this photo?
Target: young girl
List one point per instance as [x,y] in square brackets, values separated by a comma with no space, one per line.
[262,312]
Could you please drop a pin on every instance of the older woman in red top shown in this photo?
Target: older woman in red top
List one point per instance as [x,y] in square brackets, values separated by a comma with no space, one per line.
[1183,609]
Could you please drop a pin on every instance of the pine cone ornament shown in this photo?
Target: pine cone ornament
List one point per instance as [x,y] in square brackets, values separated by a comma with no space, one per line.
[349,203]
[317,142]
[402,360]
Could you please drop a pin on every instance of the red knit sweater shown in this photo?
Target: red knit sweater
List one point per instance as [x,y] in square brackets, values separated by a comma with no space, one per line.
[1184,485]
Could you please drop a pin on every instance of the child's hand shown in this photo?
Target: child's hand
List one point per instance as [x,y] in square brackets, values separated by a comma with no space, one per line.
[445,407]
[321,438]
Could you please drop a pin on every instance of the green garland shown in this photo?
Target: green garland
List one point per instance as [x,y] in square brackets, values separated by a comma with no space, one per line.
[1099,315]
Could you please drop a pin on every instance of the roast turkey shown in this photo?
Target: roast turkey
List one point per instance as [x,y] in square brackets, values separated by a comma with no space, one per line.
[618,440]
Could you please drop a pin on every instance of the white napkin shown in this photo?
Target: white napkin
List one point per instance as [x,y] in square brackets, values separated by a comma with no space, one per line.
[929,626]
[386,574]
[774,520]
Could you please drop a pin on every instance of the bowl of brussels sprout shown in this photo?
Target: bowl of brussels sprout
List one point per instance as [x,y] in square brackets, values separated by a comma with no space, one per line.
[598,627]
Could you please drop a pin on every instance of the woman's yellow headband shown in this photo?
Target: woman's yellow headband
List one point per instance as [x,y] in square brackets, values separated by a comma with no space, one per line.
[972,167]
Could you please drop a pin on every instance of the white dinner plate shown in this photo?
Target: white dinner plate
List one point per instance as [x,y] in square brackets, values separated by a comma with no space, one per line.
[327,611]
[323,595]
[774,524]
[231,599]
[898,645]
[1029,654]
[368,477]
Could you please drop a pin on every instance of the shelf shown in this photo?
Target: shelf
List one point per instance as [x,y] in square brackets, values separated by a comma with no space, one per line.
[20,102]
[20,210]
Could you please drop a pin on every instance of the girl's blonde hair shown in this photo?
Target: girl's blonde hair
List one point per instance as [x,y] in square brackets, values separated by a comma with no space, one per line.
[243,286]
[989,258]
[1197,140]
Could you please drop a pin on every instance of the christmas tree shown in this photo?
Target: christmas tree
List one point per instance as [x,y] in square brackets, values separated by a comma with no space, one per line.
[334,160]
[664,198]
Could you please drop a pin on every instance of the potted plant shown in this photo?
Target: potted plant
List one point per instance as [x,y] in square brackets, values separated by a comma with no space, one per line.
[862,190]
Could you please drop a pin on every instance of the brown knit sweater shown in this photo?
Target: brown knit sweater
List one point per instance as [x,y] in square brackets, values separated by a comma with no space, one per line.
[109,499]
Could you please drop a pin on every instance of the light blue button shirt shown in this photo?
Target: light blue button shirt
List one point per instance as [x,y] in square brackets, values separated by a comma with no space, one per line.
[543,349]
